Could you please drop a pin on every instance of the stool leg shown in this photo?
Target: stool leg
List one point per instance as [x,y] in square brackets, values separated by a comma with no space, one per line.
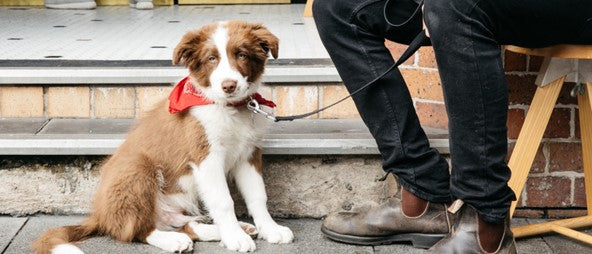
[531,134]
[546,227]
[585,108]
[308,9]
[572,234]
[565,226]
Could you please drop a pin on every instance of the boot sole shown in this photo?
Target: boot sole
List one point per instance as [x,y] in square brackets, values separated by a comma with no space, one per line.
[423,241]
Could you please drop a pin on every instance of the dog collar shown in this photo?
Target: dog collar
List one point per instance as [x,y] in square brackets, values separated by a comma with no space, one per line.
[184,96]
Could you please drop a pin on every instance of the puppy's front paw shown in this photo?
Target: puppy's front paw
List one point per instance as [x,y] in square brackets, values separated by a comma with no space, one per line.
[275,233]
[237,240]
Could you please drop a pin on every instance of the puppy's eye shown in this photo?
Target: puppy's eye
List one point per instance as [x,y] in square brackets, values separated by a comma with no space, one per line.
[242,56]
[212,58]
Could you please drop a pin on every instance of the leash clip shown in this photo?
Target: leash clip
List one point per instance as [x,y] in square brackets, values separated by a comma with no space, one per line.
[253,105]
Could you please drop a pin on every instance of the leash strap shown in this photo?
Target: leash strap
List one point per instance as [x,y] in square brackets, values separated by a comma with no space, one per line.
[413,47]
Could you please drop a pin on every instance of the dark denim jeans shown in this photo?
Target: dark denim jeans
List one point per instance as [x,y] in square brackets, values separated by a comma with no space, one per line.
[466,35]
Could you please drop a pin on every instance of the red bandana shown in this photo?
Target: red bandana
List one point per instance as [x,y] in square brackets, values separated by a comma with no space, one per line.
[184,96]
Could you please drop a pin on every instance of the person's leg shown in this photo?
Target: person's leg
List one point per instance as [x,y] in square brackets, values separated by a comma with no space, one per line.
[353,33]
[466,35]
[476,98]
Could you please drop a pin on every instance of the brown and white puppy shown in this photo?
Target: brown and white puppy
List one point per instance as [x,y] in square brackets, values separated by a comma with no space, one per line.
[151,188]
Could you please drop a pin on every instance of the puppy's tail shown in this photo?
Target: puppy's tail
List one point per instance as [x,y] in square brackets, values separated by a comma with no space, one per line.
[60,237]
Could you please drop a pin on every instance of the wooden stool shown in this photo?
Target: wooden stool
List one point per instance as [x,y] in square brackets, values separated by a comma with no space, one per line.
[559,62]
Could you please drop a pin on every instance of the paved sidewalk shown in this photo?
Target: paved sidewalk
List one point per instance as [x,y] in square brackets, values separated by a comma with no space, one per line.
[16,235]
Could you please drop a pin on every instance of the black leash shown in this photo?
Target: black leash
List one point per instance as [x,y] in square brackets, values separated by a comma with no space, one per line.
[420,40]
[413,47]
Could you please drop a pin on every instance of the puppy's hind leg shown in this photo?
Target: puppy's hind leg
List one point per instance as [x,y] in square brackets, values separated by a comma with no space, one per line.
[202,232]
[127,206]
[170,241]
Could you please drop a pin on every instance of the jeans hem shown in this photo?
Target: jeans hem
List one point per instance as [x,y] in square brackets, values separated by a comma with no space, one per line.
[422,194]
[487,217]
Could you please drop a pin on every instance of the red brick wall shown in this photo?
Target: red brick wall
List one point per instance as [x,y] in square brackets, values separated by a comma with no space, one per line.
[555,187]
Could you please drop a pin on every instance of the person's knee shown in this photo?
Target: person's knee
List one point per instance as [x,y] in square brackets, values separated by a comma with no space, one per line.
[326,12]
[436,13]
[322,7]
[329,16]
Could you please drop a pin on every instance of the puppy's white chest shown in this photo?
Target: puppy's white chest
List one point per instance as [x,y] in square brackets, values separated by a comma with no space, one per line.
[230,131]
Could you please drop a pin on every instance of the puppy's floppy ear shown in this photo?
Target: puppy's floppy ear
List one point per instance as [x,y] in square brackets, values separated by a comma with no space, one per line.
[266,39]
[186,49]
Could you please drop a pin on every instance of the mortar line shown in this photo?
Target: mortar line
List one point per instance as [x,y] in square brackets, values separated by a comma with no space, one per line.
[136,102]
[91,102]
[14,236]
[320,101]
[572,123]
[45,102]
[572,188]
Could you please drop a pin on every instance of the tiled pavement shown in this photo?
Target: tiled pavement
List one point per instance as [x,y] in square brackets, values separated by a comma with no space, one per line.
[16,235]
[115,34]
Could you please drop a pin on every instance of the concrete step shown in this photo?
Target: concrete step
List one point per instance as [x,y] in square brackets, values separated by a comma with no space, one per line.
[20,232]
[103,136]
[96,74]
[311,167]
[297,186]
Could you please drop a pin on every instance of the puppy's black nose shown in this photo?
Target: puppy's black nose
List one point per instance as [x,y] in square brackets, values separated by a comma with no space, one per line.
[228,86]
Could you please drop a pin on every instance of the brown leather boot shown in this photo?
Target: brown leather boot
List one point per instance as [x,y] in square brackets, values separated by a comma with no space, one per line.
[387,224]
[464,236]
